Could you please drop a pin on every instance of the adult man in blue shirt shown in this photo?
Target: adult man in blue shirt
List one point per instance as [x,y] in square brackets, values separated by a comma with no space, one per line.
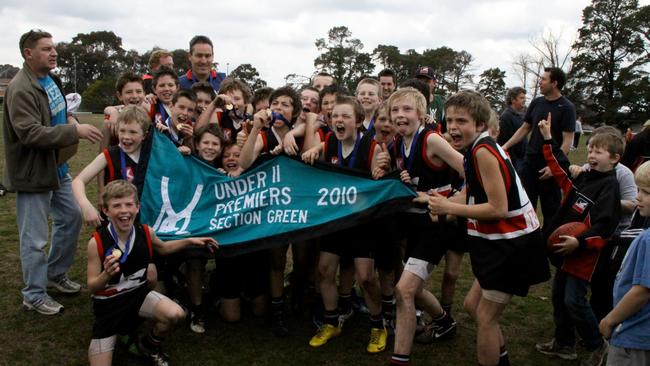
[201,57]
[39,136]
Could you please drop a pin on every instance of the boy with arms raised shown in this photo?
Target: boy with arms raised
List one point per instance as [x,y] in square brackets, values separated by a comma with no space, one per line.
[345,147]
[628,324]
[285,109]
[119,257]
[426,162]
[506,250]
[594,199]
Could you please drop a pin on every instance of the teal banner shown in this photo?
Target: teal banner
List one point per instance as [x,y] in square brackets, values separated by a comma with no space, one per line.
[276,202]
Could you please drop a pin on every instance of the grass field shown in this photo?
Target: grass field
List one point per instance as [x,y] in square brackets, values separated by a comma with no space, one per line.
[27,338]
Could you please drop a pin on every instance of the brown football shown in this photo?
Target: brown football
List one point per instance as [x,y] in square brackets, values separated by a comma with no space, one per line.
[574,228]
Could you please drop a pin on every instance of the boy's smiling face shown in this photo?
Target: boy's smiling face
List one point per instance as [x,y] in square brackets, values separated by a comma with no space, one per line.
[237,98]
[368,97]
[461,127]
[122,212]
[130,135]
[405,116]
[183,111]
[643,201]
[209,147]
[165,88]
[132,93]
[344,122]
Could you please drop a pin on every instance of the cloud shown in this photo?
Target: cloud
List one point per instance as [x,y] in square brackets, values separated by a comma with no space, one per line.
[278,37]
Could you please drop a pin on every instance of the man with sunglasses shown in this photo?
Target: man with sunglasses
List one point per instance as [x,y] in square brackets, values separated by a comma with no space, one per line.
[39,136]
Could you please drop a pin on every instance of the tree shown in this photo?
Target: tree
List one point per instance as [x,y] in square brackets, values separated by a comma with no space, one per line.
[99,94]
[493,86]
[8,71]
[297,81]
[90,57]
[248,74]
[610,58]
[460,73]
[549,52]
[342,57]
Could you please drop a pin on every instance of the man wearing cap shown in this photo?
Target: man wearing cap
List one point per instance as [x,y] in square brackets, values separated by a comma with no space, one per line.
[436,108]
[39,136]
[201,57]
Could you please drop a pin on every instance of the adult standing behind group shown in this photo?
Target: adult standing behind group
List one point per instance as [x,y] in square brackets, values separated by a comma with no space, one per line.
[201,58]
[511,119]
[157,59]
[554,107]
[38,136]
[436,107]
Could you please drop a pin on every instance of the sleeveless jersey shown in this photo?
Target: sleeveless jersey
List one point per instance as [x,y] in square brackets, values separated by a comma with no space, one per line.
[114,169]
[133,272]
[424,174]
[360,158]
[521,218]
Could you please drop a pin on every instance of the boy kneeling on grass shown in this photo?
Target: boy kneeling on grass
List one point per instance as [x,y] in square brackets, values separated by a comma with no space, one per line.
[628,324]
[119,257]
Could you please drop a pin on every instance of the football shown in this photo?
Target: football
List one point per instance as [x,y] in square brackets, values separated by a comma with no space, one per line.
[574,228]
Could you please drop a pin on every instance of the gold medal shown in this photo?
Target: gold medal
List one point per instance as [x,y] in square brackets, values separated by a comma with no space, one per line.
[117,253]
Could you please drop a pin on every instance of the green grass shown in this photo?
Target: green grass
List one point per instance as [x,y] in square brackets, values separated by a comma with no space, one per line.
[31,339]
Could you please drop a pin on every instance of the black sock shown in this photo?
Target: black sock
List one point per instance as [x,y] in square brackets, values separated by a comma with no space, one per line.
[444,319]
[388,306]
[151,340]
[397,359]
[503,356]
[277,304]
[376,321]
[447,307]
[331,318]
[345,303]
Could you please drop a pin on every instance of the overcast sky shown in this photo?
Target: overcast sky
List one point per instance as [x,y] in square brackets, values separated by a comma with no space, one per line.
[277,37]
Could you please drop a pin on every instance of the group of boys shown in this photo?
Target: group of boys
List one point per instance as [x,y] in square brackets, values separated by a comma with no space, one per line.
[469,199]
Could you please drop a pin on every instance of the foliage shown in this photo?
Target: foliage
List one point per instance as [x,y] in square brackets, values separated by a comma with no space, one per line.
[493,86]
[249,74]
[609,79]
[99,94]
[342,57]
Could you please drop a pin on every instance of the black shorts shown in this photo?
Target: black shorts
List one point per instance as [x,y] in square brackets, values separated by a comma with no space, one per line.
[457,240]
[355,242]
[247,273]
[386,248]
[425,239]
[118,315]
[509,265]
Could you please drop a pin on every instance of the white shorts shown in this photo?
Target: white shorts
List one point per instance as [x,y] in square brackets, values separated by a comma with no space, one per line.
[419,267]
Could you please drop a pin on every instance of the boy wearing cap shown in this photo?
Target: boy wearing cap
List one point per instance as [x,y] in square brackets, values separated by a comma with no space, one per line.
[436,107]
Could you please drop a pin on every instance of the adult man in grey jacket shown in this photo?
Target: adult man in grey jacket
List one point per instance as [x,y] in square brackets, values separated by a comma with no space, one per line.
[38,138]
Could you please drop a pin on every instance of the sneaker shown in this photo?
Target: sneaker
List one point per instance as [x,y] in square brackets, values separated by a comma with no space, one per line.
[64,285]
[48,307]
[551,348]
[377,340]
[595,357]
[279,325]
[197,322]
[435,332]
[324,334]
[358,303]
[155,355]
